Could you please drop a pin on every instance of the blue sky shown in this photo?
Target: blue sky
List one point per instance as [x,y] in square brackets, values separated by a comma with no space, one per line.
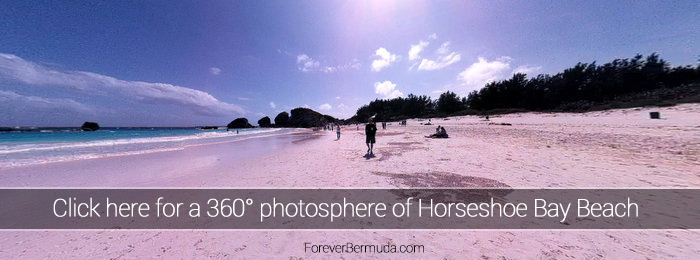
[185,63]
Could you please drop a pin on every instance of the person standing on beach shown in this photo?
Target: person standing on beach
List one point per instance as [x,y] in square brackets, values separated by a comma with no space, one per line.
[370,131]
[338,131]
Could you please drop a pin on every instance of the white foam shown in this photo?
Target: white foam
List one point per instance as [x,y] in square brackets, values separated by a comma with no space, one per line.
[34,160]
[76,157]
[23,148]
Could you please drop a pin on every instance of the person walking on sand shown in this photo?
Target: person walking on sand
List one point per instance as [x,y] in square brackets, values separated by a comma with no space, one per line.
[337,131]
[370,131]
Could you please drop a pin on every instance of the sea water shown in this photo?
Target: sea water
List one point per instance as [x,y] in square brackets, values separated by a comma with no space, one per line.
[28,146]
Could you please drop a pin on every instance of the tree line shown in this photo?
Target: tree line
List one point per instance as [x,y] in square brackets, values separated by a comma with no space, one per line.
[626,82]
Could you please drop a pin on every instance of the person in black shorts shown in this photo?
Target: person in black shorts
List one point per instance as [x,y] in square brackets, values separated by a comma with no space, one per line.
[370,132]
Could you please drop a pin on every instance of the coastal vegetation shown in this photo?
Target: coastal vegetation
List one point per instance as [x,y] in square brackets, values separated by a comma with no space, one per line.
[630,82]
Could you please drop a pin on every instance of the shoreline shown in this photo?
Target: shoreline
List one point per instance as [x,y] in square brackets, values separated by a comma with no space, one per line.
[167,163]
[171,143]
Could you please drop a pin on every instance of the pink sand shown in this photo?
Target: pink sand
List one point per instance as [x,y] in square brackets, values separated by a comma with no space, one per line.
[617,148]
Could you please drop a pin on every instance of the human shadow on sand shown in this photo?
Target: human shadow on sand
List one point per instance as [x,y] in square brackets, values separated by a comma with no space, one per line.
[369,156]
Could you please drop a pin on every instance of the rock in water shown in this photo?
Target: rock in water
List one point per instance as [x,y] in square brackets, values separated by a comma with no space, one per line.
[264,122]
[90,126]
[239,123]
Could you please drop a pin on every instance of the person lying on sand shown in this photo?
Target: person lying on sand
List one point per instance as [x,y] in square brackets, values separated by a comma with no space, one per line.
[440,133]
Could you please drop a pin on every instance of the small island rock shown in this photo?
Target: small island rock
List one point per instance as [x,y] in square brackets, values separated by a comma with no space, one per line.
[90,126]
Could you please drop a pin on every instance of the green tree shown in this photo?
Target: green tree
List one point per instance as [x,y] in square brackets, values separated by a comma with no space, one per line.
[449,102]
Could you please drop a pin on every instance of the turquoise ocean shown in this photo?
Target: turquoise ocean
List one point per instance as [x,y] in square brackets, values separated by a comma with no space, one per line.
[29,146]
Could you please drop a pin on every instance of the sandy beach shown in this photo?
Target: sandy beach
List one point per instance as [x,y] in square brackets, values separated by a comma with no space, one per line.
[616,148]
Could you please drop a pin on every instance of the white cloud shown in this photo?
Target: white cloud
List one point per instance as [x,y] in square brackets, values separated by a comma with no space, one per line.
[433,36]
[387,89]
[14,101]
[306,106]
[354,64]
[200,102]
[444,48]
[325,107]
[440,63]
[414,52]
[272,104]
[385,59]
[483,71]
[342,106]
[527,69]
[306,63]
[280,51]
[215,70]
[338,97]
[243,98]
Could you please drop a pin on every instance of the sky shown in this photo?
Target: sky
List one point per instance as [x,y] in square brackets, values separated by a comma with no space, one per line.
[192,63]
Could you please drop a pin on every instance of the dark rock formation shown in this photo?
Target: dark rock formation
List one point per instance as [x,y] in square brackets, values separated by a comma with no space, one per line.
[90,126]
[264,122]
[282,119]
[241,122]
[209,127]
[304,117]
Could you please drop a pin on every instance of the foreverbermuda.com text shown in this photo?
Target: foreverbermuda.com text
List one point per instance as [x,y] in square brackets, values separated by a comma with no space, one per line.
[350,248]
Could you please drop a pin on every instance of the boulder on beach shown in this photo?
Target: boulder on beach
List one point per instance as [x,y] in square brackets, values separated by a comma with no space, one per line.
[282,119]
[264,122]
[304,117]
[90,126]
[240,122]
[654,115]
